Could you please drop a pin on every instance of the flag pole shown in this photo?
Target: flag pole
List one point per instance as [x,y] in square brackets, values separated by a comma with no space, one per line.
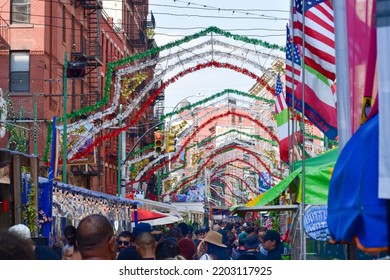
[302,205]
[291,142]
[342,70]
[343,89]
[51,175]
[64,142]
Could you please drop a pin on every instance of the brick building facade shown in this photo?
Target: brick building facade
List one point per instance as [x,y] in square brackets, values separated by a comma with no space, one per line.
[36,38]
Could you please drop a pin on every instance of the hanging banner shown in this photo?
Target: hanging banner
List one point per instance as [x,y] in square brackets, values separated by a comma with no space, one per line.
[264,181]
[83,132]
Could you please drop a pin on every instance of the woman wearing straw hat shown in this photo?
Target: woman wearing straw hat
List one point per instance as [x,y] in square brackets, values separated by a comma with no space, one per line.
[212,248]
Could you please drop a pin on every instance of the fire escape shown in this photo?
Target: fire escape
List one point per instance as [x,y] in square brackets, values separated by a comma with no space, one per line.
[137,37]
[89,57]
[91,53]
[4,35]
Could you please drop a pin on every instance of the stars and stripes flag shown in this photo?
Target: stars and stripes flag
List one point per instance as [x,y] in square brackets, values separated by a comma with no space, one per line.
[320,53]
[320,99]
[292,71]
[283,122]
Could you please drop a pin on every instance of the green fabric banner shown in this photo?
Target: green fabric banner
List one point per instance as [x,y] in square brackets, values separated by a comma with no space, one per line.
[318,171]
[274,192]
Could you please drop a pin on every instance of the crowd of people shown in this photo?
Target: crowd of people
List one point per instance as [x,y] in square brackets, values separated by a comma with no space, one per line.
[94,239]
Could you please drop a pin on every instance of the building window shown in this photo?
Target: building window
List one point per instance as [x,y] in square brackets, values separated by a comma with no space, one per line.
[233,119]
[20,12]
[107,48]
[73,34]
[240,119]
[20,71]
[63,24]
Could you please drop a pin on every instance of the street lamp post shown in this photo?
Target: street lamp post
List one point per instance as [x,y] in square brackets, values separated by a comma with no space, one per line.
[174,108]
[124,159]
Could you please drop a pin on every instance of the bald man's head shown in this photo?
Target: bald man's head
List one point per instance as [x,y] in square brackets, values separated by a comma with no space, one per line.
[95,237]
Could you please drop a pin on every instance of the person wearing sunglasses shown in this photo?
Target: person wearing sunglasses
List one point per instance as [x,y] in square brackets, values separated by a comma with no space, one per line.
[124,240]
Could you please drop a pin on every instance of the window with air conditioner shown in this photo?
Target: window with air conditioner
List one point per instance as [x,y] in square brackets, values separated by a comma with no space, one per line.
[20,11]
[20,71]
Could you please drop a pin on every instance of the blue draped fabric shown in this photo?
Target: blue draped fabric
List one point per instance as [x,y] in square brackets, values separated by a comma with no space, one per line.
[354,210]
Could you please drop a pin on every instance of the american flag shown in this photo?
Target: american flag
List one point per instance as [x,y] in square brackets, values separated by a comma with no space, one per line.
[320,51]
[280,103]
[297,63]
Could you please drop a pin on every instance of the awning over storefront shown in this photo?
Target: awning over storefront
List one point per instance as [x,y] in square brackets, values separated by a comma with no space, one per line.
[276,208]
[170,219]
[162,207]
[146,215]
[318,171]
[274,192]
[171,213]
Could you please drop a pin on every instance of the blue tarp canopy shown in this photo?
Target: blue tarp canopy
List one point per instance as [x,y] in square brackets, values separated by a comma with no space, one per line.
[355,213]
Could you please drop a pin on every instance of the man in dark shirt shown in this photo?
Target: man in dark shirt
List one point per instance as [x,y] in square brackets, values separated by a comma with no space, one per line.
[271,243]
[252,244]
[95,238]
[130,253]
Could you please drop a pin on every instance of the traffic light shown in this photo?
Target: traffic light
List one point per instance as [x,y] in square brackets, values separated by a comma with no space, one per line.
[158,141]
[170,142]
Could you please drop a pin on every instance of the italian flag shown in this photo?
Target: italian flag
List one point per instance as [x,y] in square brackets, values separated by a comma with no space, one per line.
[283,122]
[284,127]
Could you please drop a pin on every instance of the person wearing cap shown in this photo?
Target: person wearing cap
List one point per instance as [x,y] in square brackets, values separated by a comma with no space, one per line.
[252,244]
[15,247]
[271,243]
[212,248]
[41,252]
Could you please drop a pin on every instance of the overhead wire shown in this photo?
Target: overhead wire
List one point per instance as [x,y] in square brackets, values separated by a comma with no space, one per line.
[233,10]
[189,6]
[167,28]
[219,17]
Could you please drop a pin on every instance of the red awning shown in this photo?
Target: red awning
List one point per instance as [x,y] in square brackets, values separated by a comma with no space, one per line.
[145,215]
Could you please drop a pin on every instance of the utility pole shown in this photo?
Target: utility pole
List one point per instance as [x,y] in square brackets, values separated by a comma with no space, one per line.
[123,166]
[159,185]
[35,127]
[119,169]
[64,148]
